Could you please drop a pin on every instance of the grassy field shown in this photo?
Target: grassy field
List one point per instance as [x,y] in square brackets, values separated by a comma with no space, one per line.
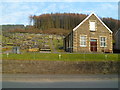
[61,57]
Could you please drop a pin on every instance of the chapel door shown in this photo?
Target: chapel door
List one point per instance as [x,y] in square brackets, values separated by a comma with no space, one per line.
[93,45]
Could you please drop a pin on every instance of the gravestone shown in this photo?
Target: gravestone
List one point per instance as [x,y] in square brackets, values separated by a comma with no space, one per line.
[16,50]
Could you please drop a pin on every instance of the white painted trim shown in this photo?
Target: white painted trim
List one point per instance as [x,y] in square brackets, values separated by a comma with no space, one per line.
[105,41]
[80,41]
[88,18]
[81,23]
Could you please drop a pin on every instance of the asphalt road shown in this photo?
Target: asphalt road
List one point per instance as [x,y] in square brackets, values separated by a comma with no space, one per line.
[60,81]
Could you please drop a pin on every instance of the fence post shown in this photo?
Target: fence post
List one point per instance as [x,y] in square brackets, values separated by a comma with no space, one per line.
[59,56]
[7,55]
[106,57]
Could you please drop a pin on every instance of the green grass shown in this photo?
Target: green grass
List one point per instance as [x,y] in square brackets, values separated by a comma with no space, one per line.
[64,57]
[57,44]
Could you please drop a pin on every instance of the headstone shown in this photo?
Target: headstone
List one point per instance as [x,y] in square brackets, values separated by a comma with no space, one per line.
[16,49]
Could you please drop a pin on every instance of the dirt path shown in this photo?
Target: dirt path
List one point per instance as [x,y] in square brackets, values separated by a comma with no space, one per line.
[52,46]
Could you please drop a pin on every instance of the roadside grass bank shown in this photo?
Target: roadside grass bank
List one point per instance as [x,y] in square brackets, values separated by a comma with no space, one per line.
[61,57]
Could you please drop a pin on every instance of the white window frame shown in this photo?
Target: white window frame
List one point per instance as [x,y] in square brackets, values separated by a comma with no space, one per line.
[83,41]
[103,43]
[92,28]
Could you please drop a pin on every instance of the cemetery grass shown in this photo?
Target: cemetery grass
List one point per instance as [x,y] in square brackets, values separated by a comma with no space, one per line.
[61,57]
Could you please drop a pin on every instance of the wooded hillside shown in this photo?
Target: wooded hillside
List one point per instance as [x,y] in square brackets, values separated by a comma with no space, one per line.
[58,23]
[67,21]
[59,20]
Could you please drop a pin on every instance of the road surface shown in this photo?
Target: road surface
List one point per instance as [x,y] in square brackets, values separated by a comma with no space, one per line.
[60,81]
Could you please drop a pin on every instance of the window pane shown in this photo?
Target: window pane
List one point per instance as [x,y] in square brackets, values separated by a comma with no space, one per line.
[104,44]
[102,41]
[82,43]
[83,37]
[83,40]
[101,44]
[103,38]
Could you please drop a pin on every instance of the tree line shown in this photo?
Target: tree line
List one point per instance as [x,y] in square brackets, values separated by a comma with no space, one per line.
[58,20]
[57,23]
[11,27]
[67,21]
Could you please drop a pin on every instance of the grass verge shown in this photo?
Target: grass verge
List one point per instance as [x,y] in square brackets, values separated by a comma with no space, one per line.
[61,57]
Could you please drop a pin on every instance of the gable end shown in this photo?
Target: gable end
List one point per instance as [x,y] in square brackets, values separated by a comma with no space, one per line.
[88,18]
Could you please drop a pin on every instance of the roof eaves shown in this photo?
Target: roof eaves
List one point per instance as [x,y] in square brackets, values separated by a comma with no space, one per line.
[82,22]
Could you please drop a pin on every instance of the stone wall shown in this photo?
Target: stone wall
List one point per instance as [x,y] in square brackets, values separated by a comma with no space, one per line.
[59,67]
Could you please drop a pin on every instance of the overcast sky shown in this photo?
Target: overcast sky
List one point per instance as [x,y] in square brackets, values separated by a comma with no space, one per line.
[19,12]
